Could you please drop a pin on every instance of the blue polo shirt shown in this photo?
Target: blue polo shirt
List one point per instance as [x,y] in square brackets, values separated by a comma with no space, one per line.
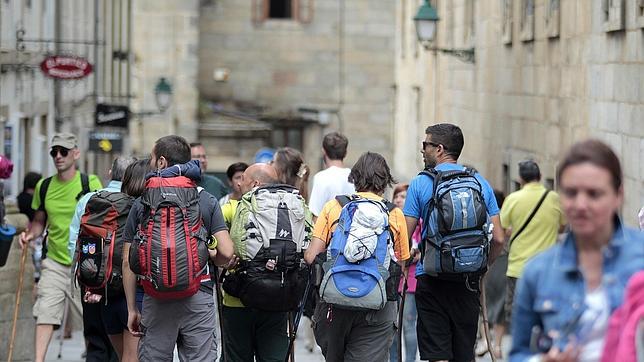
[421,191]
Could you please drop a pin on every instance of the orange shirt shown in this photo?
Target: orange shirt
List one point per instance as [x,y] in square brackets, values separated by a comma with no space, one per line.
[331,212]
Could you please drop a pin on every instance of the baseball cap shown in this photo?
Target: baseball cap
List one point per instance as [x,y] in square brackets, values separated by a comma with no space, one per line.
[66,140]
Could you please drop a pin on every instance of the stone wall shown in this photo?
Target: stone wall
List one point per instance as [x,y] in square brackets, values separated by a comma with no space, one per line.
[23,348]
[536,89]
[165,41]
[342,59]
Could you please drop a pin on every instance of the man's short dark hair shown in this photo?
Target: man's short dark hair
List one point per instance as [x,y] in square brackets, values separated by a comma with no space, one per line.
[175,149]
[234,168]
[335,146]
[31,179]
[371,173]
[529,171]
[448,135]
[195,144]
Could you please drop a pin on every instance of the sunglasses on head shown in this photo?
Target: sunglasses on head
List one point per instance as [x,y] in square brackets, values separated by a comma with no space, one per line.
[56,150]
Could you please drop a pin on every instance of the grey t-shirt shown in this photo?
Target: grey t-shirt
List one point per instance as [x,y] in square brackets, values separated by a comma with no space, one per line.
[211,215]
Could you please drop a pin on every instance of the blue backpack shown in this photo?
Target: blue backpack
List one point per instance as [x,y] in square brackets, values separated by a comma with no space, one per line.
[358,256]
[457,225]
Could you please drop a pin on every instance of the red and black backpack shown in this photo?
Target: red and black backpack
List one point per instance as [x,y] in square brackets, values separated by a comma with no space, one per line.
[99,247]
[169,251]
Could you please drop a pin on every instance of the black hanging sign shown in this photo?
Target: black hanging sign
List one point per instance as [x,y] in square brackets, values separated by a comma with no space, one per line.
[111,115]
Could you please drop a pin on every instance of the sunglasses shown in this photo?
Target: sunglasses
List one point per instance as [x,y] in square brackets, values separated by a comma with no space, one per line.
[425,144]
[56,150]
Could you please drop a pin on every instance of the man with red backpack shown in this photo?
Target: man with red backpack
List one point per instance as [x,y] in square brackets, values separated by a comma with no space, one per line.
[171,232]
[106,206]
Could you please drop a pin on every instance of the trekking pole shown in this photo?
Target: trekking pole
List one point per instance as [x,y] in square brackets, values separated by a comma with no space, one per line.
[291,330]
[23,257]
[296,320]
[401,311]
[486,328]
[63,327]
[220,301]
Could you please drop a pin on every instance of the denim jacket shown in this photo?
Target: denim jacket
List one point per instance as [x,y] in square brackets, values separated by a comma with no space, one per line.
[551,293]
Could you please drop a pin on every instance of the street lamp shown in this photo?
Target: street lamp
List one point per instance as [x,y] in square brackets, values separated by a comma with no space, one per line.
[426,20]
[163,94]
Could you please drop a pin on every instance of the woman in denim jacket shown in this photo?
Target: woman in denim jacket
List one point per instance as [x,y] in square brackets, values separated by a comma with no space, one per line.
[567,293]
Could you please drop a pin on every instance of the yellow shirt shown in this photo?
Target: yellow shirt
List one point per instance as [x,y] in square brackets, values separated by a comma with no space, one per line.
[228,211]
[541,232]
[331,212]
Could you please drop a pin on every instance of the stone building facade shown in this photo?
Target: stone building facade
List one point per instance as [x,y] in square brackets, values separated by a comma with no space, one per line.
[547,73]
[323,60]
[165,37]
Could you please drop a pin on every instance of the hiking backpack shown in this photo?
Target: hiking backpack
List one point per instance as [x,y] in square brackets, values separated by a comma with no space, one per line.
[457,225]
[169,251]
[358,256]
[270,230]
[99,246]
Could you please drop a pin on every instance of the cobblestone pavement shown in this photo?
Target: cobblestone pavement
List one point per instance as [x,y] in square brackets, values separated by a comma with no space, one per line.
[73,348]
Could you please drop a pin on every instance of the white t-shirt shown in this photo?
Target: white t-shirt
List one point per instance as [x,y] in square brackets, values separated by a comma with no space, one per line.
[593,325]
[328,184]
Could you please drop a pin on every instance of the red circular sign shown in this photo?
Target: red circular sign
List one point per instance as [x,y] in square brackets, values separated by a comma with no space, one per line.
[66,67]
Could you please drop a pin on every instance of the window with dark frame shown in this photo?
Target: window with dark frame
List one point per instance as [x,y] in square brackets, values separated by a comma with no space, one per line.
[280,9]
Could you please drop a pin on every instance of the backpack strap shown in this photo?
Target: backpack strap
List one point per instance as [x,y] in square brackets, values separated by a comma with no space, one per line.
[525,224]
[389,205]
[344,199]
[44,186]
[84,186]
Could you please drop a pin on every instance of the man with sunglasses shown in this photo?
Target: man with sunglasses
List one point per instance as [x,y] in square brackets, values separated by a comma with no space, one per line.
[54,206]
[447,304]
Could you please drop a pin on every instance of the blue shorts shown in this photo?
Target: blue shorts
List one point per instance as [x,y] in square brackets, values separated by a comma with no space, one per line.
[114,314]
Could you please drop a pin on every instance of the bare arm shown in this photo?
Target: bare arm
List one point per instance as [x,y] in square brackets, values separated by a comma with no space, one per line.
[412,222]
[316,247]
[224,248]
[36,229]
[498,239]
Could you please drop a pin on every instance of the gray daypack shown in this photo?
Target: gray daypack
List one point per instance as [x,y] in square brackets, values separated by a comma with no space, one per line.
[270,231]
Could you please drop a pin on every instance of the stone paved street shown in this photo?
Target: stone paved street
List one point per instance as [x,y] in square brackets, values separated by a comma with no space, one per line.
[73,348]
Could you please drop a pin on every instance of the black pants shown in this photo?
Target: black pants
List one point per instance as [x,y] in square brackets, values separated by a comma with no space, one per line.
[99,348]
[447,319]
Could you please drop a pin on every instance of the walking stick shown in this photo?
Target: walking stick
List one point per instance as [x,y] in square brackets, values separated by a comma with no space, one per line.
[486,328]
[23,257]
[296,321]
[401,309]
[63,327]
[220,300]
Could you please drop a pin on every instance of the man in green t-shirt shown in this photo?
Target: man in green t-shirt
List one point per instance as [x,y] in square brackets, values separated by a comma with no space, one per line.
[61,194]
